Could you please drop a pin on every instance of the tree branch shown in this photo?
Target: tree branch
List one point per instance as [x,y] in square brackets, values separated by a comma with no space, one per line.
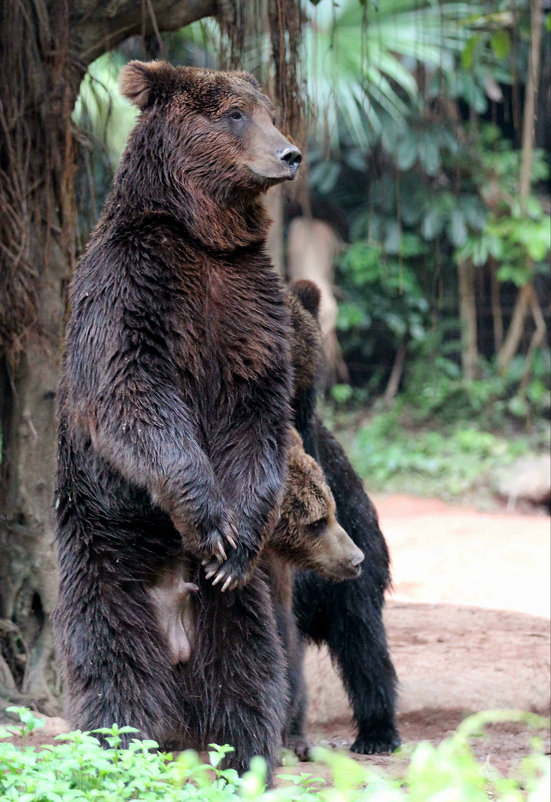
[97,27]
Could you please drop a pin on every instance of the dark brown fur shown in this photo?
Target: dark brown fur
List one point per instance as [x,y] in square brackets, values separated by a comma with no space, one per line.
[347,616]
[174,422]
[308,537]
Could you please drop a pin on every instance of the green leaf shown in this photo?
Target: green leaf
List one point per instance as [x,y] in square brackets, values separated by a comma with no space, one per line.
[501,43]
[431,225]
[393,238]
[341,393]
[406,154]
[468,54]
[429,155]
[457,228]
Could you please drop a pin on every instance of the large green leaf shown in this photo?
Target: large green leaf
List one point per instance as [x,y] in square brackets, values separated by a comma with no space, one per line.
[360,62]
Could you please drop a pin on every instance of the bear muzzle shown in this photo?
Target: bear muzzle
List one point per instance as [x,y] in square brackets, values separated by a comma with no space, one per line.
[291,158]
[273,157]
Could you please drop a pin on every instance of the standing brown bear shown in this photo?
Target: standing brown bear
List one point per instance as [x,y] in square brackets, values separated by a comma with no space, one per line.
[174,421]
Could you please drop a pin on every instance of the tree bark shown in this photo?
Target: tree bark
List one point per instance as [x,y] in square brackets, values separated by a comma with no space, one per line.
[467,314]
[497,311]
[397,371]
[62,43]
[96,29]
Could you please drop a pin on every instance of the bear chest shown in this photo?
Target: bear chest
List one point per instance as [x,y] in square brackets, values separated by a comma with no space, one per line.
[236,330]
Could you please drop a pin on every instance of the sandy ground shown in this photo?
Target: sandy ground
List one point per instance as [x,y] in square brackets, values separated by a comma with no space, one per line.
[468,628]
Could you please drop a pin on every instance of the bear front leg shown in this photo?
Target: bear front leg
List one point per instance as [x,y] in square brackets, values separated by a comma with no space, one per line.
[149,437]
[294,735]
[253,481]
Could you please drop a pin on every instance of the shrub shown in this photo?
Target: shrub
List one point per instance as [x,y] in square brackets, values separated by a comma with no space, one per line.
[77,768]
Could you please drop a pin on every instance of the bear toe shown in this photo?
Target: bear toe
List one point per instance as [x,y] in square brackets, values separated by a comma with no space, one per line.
[234,572]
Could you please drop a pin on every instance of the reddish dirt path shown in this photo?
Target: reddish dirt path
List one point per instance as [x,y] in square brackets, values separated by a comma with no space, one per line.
[443,553]
[468,628]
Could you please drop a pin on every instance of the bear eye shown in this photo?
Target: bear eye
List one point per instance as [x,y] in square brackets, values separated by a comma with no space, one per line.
[236,115]
[317,527]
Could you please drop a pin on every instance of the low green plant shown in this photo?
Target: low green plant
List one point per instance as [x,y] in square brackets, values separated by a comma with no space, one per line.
[393,454]
[77,768]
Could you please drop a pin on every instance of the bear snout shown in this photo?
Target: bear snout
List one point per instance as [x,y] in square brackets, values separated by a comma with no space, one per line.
[291,158]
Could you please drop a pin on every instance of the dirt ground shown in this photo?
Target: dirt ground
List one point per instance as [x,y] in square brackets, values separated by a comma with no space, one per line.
[468,628]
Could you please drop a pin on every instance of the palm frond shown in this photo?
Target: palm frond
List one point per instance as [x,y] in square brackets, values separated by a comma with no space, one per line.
[364,61]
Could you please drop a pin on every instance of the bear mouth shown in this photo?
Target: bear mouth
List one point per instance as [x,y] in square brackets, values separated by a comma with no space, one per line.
[344,573]
[275,176]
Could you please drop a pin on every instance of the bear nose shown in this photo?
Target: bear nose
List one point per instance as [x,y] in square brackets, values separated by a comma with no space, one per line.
[290,156]
[358,558]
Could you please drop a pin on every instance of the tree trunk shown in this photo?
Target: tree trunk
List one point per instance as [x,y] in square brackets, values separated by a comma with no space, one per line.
[522,303]
[397,371]
[56,40]
[28,582]
[274,243]
[467,314]
[497,311]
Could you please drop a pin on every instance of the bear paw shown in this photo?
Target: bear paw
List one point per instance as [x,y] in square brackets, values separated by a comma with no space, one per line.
[300,746]
[378,741]
[215,544]
[233,572]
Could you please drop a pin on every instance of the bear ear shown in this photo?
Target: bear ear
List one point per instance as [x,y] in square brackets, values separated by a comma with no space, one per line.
[249,77]
[144,82]
[309,294]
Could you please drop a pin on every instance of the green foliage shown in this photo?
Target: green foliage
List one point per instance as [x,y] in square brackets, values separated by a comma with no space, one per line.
[436,392]
[360,61]
[516,236]
[100,110]
[382,302]
[394,456]
[77,768]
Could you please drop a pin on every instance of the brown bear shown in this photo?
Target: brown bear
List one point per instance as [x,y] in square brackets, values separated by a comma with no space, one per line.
[347,616]
[174,421]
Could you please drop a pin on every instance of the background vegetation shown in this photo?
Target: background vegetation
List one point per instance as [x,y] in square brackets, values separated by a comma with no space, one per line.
[77,768]
[418,160]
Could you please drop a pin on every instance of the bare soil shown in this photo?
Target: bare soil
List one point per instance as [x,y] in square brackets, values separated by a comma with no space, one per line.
[468,628]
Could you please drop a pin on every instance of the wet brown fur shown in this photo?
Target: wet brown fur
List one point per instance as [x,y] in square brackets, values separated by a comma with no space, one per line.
[174,421]
[308,537]
[347,616]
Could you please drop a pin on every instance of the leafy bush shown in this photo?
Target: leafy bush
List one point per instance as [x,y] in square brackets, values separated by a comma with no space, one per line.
[78,769]
[395,457]
[382,305]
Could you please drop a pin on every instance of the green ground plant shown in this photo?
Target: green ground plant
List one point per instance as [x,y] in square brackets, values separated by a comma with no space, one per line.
[397,451]
[77,768]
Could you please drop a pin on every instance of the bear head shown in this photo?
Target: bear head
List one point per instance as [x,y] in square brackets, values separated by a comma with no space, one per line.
[303,300]
[308,534]
[210,131]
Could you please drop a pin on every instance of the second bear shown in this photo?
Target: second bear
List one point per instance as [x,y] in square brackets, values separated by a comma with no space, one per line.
[347,616]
